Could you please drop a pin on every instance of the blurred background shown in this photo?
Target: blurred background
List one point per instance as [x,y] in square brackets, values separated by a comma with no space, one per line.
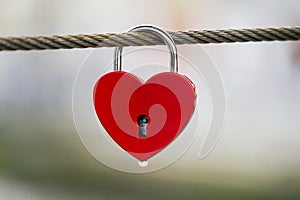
[257,157]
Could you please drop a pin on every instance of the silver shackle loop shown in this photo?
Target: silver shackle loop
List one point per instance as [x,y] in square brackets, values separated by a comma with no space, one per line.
[158,32]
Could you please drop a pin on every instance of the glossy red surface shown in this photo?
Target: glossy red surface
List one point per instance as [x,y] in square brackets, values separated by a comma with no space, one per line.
[167,99]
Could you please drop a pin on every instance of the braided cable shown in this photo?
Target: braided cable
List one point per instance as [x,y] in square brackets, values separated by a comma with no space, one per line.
[142,39]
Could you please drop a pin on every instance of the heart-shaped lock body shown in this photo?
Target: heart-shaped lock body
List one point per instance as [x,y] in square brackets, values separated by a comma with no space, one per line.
[166,99]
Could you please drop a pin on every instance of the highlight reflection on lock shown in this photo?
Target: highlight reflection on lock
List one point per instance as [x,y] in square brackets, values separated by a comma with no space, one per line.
[144,117]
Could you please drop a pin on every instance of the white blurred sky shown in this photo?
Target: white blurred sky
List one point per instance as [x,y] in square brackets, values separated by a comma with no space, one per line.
[262,80]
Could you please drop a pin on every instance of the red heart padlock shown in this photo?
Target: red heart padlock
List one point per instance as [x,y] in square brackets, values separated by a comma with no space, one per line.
[143,118]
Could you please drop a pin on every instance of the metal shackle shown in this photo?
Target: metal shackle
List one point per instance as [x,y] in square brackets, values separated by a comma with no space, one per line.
[158,32]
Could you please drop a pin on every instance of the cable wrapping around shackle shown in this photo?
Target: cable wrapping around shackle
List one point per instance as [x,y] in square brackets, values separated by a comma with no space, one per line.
[142,39]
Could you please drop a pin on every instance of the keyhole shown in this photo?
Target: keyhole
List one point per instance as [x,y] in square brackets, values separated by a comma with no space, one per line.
[142,121]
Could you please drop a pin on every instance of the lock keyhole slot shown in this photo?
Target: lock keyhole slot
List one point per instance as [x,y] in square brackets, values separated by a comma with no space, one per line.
[142,121]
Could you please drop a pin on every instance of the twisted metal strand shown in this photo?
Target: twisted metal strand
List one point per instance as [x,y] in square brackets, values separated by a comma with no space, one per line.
[141,38]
